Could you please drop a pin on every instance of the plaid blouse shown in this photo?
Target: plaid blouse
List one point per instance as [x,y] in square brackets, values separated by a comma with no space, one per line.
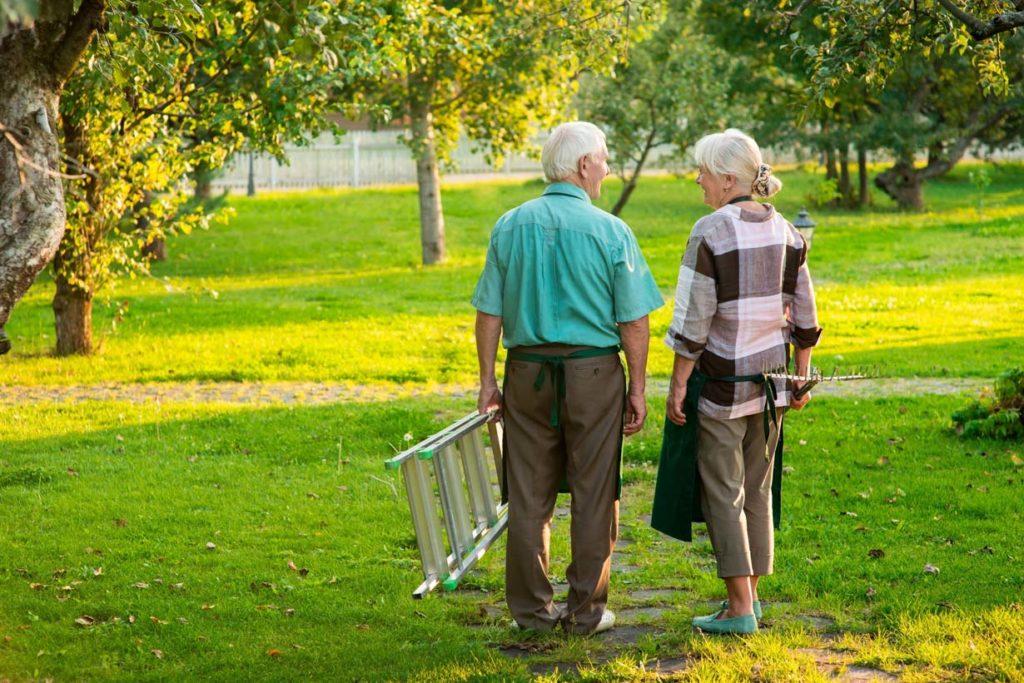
[744,294]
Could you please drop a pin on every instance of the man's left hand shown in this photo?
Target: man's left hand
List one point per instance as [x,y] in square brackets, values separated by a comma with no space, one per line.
[636,413]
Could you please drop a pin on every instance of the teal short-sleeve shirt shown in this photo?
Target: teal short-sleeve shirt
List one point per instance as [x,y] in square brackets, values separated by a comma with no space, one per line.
[560,270]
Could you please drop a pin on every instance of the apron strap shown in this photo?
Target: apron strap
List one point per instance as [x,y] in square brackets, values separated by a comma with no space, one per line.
[556,364]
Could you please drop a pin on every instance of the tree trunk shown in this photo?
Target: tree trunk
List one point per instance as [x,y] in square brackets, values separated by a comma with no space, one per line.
[155,248]
[845,188]
[35,61]
[862,176]
[627,189]
[904,184]
[203,177]
[72,310]
[428,179]
[830,164]
[31,195]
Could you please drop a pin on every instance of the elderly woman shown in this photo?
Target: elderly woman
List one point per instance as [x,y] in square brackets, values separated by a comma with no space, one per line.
[744,295]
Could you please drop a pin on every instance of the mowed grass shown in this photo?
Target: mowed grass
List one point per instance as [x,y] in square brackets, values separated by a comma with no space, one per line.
[109,509]
[326,286]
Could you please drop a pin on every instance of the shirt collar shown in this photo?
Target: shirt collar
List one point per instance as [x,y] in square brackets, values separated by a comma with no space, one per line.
[749,216]
[567,189]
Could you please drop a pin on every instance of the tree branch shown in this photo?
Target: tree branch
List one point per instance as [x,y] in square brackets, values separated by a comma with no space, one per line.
[76,37]
[983,30]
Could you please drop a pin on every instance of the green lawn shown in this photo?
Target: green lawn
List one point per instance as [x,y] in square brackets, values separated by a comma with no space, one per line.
[326,287]
[107,509]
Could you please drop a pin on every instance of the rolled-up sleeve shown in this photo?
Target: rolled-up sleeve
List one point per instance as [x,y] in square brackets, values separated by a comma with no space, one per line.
[803,323]
[635,292]
[696,299]
[489,293]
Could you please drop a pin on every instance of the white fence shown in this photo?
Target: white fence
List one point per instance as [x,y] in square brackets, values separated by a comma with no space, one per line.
[363,158]
[358,159]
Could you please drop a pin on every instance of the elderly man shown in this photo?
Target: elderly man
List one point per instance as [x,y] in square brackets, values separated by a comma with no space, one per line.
[567,284]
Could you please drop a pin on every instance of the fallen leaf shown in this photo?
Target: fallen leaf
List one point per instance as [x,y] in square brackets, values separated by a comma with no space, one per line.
[119,437]
[363,627]
[207,605]
[273,652]
[98,571]
[290,612]
[72,472]
[121,522]
[311,494]
[142,585]
[37,586]
[303,571]
[876,553]
[182,620]
[131,618]
[85,620]
[177,586]
[931,569]
[883,460]
[788,470]
[291,565]
[157,620]
[211,546]
[803,442]
[159,654]
[870,592]
[847,514]
[1017,462]
[862,529]
[343,489]
[864,494]
[834,493]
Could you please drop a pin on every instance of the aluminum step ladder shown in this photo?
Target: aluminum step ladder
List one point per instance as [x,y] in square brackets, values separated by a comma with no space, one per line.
[470,530]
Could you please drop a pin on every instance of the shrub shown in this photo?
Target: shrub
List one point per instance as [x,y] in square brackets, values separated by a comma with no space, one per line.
[1001,417]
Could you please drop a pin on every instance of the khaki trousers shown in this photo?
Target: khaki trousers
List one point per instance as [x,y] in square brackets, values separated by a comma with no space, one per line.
[585,449]
[736,492]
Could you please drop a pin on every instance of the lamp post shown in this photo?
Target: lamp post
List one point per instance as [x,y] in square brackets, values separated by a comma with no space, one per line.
[805,225]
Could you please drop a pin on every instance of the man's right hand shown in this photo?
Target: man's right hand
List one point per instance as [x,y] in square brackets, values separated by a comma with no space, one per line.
[636,413]
[489,399]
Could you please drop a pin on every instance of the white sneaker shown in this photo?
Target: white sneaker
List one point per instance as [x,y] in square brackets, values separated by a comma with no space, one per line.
[606,623]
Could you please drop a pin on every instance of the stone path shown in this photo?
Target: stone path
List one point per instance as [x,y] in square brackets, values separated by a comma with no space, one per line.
[644,616]
[539,652]
[318,393]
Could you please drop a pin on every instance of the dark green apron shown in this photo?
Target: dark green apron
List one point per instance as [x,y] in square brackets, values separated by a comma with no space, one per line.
[555,366]
[677,490]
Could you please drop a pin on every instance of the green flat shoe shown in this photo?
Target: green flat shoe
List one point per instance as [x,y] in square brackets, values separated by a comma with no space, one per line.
[757,608]
[739,625]
[697,621]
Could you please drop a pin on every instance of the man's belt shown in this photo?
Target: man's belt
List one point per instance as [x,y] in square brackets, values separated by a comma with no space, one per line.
[556,363]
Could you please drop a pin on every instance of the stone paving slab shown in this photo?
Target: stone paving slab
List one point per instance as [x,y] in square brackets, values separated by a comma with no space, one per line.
[320,393]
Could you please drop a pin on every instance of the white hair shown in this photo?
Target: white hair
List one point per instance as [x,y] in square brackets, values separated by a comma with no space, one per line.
[566,145]
[735,153]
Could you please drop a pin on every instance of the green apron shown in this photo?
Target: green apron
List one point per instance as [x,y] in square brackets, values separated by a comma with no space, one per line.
[677,490]
[555,365]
